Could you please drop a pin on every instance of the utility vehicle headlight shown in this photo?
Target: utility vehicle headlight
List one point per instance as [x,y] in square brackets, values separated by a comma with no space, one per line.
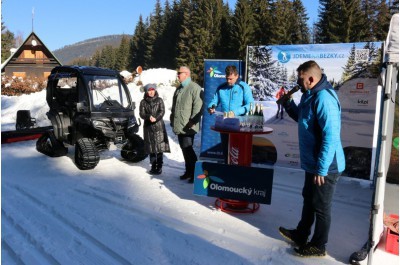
[99,124]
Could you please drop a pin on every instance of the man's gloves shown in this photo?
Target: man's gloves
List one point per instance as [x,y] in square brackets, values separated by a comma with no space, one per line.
[189,124]
[211,110]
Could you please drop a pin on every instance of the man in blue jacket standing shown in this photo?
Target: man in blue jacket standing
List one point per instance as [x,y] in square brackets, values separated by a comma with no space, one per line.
[235,97]
[321,155]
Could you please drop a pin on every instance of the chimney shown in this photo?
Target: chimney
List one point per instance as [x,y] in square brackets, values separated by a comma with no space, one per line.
[13,50]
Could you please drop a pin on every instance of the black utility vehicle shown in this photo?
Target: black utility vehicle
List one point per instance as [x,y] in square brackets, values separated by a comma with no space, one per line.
[90,107]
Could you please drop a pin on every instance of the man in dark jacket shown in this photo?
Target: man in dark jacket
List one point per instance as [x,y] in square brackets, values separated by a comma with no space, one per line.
[185,118]
[321,155]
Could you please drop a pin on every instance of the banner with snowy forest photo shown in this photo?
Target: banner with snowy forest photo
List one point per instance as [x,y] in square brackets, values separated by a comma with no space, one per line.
[352,69]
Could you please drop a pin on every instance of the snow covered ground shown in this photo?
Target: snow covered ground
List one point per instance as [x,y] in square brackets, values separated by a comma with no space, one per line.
[54,213]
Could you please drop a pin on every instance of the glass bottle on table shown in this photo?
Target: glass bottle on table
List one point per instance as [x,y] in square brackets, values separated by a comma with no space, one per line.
[261,117]
[257,117]
[246,125]
[254,118]
[251,117]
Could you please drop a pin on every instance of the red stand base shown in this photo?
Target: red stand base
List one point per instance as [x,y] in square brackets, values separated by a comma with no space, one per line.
[234,206]
[392,239]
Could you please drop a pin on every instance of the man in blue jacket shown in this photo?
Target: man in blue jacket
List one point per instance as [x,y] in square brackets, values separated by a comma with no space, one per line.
[321,155]
[235,97]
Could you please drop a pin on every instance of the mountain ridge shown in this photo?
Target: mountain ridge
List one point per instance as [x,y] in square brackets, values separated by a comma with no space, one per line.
[86,48]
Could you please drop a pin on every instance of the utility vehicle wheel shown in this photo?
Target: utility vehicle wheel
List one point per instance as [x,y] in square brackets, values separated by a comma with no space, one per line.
[133,150]
[48,144]
[86,154]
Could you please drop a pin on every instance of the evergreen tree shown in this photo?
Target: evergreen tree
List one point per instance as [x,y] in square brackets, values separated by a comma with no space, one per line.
[346,21]
[137,45]
[394,6]
[185,55]
[314,33]
[152,39]
[293,77]
[107,57]
[95,59]
[357,66]
[263,21]
[158,25]
[222,49]
[355,22]
[169,36]
[283,21]
[243,29]
[300,29]
[381,21]
[149,39]
[122,55]
[349,69]
[373,63]
[262,75]
[329,21]
[368,9]
[81,61]
[206,20]
[7,42]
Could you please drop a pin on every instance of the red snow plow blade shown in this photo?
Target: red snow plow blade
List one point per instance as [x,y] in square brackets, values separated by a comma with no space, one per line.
[23,135]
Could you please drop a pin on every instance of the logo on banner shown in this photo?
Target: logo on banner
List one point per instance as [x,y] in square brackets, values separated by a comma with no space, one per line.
[214,72]
[284,57]
[207,179]
[359,89]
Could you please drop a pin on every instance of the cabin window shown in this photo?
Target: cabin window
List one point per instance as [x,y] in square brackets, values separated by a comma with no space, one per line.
[19,74]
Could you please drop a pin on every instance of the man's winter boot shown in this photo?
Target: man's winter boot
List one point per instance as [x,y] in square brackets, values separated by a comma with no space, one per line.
[310,250]
[293,236]
[358,256]
[184,176]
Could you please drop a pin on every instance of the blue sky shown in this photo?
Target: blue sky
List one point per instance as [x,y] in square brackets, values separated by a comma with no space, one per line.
[59,23]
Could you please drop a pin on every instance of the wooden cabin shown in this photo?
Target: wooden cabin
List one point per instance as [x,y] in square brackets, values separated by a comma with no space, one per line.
[31,59]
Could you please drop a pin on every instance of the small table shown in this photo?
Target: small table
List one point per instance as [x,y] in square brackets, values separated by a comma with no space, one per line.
[240,149]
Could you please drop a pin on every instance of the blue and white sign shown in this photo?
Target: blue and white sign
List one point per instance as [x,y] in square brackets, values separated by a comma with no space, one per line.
[233,182]
[214,75]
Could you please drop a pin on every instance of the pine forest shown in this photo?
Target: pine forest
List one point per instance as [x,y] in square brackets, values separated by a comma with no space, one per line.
[185,32]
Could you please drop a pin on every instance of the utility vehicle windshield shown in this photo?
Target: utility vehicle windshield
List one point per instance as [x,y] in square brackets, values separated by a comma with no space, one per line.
[107,93]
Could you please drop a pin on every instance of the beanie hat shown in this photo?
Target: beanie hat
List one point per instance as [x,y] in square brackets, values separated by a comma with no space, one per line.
[150,86]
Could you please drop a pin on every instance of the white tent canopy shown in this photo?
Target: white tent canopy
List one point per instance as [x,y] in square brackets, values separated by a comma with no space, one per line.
[392,41]
[388,85]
